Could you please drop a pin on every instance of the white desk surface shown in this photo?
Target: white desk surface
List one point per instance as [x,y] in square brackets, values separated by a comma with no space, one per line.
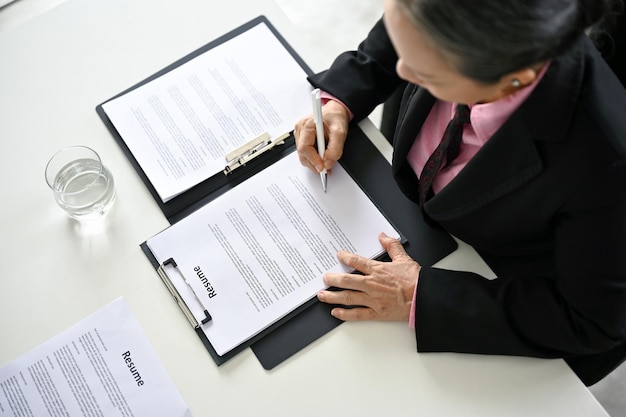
[54,70]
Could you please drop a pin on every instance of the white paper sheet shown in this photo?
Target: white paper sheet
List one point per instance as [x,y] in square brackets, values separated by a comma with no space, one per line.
[101,366]
[259,251]
[180,126]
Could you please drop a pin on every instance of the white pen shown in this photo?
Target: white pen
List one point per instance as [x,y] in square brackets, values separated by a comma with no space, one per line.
[319,128]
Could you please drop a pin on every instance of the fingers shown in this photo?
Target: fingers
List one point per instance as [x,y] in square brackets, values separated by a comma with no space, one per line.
[393,247]
[354,314]
[346,281]
[343,297]
[336,134]
[335,119]
[356,262]
[354,292]
[348,298]
[384,291]
[306,145]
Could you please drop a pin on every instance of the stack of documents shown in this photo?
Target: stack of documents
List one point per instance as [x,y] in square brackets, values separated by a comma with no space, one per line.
[101,366]
[248,248]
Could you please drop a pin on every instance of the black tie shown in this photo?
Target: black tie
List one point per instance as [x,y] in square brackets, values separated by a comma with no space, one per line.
[449,147]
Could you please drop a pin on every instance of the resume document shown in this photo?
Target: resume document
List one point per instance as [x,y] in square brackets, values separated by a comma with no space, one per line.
[101,366]
[259,251]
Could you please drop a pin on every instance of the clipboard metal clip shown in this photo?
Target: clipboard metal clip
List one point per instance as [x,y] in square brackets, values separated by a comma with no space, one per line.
[250,150]
[179,299]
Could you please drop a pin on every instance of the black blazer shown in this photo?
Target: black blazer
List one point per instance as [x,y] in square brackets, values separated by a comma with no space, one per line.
[543,202]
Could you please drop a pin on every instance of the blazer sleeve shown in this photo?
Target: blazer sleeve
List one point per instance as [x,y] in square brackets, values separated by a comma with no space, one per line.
[579,310]
[364,78]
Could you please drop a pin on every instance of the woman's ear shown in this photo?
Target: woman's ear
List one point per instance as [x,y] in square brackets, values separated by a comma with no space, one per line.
[519,79]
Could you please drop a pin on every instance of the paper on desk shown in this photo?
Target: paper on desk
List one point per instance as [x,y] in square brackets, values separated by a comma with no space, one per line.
[101,366]
[180,126]
[259,251]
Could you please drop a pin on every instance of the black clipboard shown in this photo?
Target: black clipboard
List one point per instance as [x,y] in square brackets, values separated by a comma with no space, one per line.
[361,160]
[183,204]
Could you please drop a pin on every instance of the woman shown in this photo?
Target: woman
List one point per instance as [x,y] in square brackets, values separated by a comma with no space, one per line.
[537,186]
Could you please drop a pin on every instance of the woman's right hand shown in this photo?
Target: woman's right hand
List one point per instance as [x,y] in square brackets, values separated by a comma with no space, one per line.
[336,118]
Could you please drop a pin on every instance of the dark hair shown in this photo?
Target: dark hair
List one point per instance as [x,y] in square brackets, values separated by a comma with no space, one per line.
[487,39]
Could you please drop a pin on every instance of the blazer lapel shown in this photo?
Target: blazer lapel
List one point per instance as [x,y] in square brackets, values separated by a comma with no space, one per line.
[507,161]
[414,109]
[510,158]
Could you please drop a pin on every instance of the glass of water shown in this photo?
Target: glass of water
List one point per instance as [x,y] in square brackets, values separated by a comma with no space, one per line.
[82,186]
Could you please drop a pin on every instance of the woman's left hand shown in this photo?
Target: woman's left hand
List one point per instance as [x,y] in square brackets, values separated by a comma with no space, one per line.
[383,292]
